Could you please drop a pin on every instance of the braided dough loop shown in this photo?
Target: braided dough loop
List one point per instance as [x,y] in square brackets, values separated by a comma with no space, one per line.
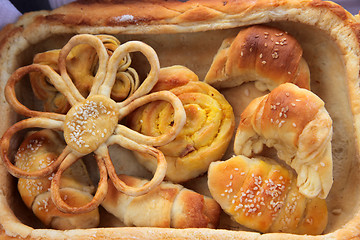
[98,197]
[179,119]
[125,74]
[103,59]
[134,146]
[110,43]
[55,79]
[29,123]
[118,55]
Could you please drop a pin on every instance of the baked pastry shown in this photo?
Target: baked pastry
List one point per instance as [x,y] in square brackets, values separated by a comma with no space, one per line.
[263,54]
[37,151]
[168,205]
[295,122]
[189,33]
[206,134]
[92,124]
[262,195]
[82,64]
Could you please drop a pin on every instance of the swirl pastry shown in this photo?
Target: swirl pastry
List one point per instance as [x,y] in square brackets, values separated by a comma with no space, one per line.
[263,54]
[295,122]
[168,205]
[82,65]
[206,134]
[37,151]
[262,195]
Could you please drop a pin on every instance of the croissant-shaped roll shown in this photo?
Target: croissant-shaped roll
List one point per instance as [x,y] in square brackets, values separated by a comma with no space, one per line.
[262,195]
[263,54]
[82,63]
[37,151]
[206,134]
[168,205]
[295,122]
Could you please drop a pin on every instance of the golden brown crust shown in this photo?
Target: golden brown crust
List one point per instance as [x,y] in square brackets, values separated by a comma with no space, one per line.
[266,199]
[168,205]
[263,54]
[33,28]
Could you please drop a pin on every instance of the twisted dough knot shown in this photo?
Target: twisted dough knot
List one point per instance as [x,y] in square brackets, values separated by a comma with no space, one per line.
[91,125]
[295,122]
[82,64]
[262,54]
[208,130]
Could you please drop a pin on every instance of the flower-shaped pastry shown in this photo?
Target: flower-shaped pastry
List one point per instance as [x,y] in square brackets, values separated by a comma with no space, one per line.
[92,123]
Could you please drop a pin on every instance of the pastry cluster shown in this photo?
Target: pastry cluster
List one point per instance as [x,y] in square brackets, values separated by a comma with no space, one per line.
[179,127]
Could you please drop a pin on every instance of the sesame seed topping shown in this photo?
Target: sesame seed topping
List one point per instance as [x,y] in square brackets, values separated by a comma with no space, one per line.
[275,55]
[281,123]
[82,129]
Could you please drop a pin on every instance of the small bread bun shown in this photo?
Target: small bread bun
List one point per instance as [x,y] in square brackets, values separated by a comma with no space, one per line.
[263,54]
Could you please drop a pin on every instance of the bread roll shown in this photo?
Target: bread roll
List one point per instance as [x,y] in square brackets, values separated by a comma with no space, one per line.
[168,205]
[37,151]
[206,134]
[263,54]
[262,195]
[295,122]
[189,33]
